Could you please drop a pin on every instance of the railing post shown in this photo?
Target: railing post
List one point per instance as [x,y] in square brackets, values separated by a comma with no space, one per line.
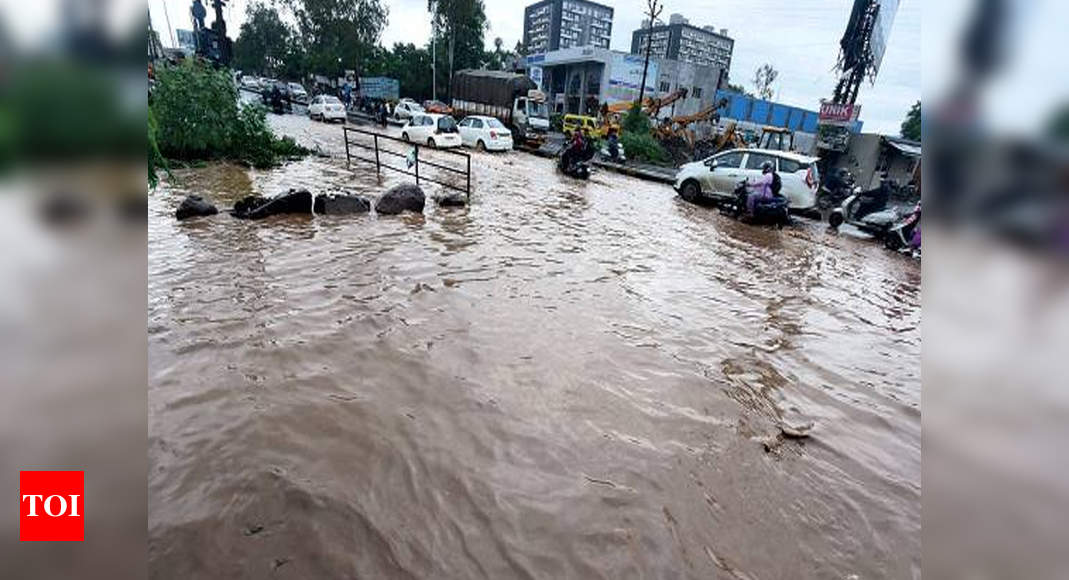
[469,178]
[345,133]
[417,163]
[377,169]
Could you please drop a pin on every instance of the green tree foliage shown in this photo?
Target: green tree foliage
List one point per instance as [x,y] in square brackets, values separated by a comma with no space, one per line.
[739,89]
[911,127]
[407,63]
[263,43]
[636,138]
[197,117]
[338,34]
[461,25]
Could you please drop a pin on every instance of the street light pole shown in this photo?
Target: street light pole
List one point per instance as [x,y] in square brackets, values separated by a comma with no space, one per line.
[434,52]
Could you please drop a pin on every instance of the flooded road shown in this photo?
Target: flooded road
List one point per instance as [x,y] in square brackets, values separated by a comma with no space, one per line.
[564,380]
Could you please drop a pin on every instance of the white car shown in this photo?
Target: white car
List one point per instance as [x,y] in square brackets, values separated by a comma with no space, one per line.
[485,133]
[406,109]
[718,175]
[434,130]
[297,92]
[250,82]
[326,108]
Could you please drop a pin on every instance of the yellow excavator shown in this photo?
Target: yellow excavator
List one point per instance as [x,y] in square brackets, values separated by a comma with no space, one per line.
[650,105]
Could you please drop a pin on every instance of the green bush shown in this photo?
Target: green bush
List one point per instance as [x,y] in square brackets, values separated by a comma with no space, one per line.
[643,146]
[198,118]
[635,121]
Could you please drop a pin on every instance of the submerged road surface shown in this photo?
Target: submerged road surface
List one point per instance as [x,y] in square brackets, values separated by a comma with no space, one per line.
[565,380]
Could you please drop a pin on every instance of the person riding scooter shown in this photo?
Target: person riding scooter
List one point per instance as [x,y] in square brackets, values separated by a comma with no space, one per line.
[763,188]
[574,151]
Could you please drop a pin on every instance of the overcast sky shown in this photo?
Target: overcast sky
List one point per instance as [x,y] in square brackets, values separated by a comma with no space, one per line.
[798,37]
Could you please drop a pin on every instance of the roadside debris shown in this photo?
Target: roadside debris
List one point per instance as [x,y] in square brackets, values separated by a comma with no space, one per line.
[194,206]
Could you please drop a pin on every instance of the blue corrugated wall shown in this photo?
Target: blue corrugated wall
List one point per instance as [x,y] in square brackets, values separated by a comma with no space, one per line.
[764,112]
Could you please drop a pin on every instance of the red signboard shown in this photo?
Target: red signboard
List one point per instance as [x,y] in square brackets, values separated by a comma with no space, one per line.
[834,113]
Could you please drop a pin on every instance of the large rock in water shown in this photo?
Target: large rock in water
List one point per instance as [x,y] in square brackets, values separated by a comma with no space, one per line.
[193,206]
[255,207]
[399,198]
[337,204]
[452,199]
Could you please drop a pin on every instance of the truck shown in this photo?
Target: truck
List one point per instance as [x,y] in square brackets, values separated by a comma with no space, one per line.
[514,99]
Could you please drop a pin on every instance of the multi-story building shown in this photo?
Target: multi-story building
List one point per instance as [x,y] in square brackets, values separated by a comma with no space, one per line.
[559,24]
[679,40]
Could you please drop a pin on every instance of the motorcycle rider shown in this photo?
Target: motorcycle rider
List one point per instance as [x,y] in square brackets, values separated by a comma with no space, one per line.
[762,188]
[574,151]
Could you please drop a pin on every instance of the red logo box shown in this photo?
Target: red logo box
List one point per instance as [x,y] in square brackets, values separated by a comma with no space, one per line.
[51,506]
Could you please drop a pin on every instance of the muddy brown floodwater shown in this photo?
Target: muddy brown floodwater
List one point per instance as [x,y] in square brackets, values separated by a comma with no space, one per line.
[565,380]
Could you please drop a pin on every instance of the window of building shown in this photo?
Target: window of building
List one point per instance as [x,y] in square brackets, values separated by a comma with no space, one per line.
[665,86]
[696,92]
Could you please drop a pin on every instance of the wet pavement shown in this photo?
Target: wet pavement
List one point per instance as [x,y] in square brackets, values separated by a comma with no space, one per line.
[564,380]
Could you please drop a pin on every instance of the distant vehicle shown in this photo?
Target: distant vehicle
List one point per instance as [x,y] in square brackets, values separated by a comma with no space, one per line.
[437,107]
[434,130]
[277,98]
[485,133]
[297,92]
[250,82]
[589,125]
[512,98]
[406,109]
[718,175]
[326,108]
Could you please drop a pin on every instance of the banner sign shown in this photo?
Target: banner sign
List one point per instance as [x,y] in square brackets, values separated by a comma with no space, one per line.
[838,114]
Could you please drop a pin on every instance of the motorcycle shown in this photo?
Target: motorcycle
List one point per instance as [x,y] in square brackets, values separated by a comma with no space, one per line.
[773,211]
[834,190]
[576,163]
[866,211]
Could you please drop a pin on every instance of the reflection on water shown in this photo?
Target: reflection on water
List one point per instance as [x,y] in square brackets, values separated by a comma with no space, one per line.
[564,380]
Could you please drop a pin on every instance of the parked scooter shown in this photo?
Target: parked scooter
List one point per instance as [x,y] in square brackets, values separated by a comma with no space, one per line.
[834,189]
[867,211]
[905,234]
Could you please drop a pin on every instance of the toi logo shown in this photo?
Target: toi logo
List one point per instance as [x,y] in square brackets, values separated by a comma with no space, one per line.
[51,506]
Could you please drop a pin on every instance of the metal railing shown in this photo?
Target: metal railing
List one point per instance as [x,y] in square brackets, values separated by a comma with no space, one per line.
[380,164]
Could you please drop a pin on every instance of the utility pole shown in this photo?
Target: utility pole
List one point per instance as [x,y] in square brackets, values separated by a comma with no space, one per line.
[169,29]
[434,51]
[653,11]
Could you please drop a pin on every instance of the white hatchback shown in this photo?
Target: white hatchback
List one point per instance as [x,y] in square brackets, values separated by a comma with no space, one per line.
[406,109]
[326,108]
[483,132]
[434,130]
[718,175]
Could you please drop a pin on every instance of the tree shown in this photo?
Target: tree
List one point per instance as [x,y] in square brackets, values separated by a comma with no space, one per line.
[911,127]
[262,42]
[338,34]
[652,11]
[462,24]
[763,78]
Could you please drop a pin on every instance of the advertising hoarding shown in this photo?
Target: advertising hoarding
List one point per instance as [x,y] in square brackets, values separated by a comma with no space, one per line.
[625,77]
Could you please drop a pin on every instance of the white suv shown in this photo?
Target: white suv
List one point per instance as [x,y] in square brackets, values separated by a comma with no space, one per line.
[718,175]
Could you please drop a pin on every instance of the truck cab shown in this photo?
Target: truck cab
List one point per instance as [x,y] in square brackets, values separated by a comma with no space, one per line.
[531,116]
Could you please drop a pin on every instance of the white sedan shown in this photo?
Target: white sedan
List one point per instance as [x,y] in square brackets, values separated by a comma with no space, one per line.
[326,108]
[485,133]
[434,130]
[406,109]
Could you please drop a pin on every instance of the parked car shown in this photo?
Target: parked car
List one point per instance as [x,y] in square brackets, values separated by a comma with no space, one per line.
[250,82]
[437,107]
[297,92]
[717,176]
[483,132]
[406,109]
[434,130]
[326,107]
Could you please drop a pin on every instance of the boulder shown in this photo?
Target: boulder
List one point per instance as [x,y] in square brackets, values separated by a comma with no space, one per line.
[399,198]
[452,200]
[193,206]
[256,207]
[338,204]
